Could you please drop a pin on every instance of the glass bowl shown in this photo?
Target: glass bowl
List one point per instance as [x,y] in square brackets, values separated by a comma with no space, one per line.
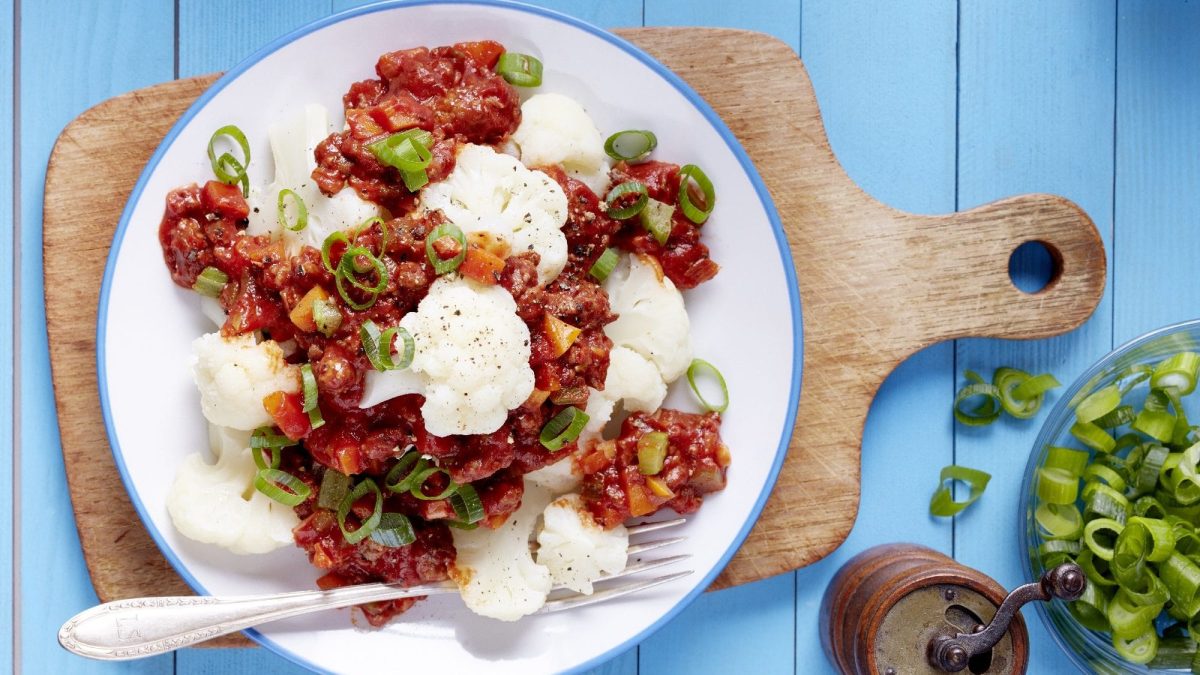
[1091,650]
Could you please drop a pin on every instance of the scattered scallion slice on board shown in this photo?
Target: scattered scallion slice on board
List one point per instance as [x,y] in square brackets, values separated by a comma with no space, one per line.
[1013,391]
[943,503]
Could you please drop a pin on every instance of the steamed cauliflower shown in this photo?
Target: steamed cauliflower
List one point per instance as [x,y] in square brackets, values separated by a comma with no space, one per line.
[235,374]
[293,140]
[631,379]
[494,569]
[217,503]
[472,355]
[577,550]
[652,320]
[489,191]
[555,129]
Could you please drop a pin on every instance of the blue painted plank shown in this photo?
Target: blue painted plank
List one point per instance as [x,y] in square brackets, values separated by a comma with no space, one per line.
[6,332]
[884,75]
[607,14]
[1158,166]
[217,34]
[781,19]
[1036,113]
[98,49]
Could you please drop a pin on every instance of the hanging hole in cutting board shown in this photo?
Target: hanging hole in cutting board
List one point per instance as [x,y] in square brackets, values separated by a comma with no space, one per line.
[1033,266]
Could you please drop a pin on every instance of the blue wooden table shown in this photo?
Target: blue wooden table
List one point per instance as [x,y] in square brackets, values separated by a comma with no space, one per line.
[932,106]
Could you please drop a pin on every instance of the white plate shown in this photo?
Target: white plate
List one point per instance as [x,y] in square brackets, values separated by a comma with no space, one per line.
[746,321]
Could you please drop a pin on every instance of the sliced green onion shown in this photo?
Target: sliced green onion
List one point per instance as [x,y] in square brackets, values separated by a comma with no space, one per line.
[1059,521]
[1129,618]
[1154,420]
[1091,609]
[657,219]
[334,486]
[1072,461]
[403,476]
[335,237]
[409,153]
[1122,415]
[210,282]
[271,482]
[301,211]
[978,403]
[309,384]
[1107,475]
[349,269]
[1144,472]
[366,486]
[1106,527]
[378,346]
[418,489]
[1096,570]
[604,265]
[1035,386]
[943,504]
[652,452]
[1103,501]
[1140,648]
[265,437]
[563,428]
[1008,381]
[394,530]
[696,368]
[467,505]
[1177,372]
[441,266]
[697,213]
[1098,403]
[327,317]
[521,70]
[1093,436]
[1182,579]
[227,168]
[630,145]
[1057,486]
[616,194]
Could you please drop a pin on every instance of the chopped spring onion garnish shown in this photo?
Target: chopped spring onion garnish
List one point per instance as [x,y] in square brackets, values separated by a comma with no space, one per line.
[377,345]
[309,383]
[403,476]
[418,490]
[1060,521]
[467,505]
[227,168]
[652,452]
[942,503]
[604,265]
[563,428]
[1013,391]
[334,486]
[1091,435]
[272,483]
[301,211]
[409,153]
[1057,486]
[394,530]
[618,195]
[1177,372]
[697,367]
[365,487]
[210,282]
[658,219]
[1098,403]
[334,238]
[521,70]
[630,145]
[357,260]
[383,231]
[266,458]
[688,196]
[265,443]
[440,233]
[326,317]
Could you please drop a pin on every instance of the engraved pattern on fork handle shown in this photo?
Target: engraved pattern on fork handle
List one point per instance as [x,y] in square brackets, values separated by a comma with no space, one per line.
[140,627]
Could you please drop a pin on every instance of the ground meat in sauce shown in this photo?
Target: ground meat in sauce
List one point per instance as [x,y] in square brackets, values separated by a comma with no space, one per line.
[453,92]
[614,488]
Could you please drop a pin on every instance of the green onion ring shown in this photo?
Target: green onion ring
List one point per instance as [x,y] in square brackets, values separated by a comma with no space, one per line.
[377,345]
[942,503]
[441,266]
[301,211]
[335,237]
[394,530]
[418,489]
[626,188]
[1098,403]
[211,281]
[521,70]
[412,463]
[1177,372]
[368,526]
[696,214]
[1091,435]
[604,265]
[268,482]
[1059,521]
[657,218]
[1057,486]
[1096,527]
[986,411]
[638,144]
[227,168]
[467,505]
[563,428]
[700,365]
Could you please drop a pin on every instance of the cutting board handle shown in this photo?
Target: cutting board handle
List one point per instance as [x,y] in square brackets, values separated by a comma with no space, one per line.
[964,258]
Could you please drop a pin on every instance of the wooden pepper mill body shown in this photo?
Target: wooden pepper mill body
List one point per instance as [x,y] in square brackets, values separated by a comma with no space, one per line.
[886,604]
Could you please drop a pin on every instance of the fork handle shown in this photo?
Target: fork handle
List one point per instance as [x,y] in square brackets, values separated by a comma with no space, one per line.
[141,627]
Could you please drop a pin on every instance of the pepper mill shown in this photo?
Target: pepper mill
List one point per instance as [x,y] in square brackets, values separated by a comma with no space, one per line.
[903,609]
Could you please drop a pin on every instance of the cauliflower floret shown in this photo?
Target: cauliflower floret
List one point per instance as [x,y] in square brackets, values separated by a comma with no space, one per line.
[632,379]
[489,191]
[217,503]
[235,374]
[495,571]
[555,129]
[652,319]
[380,386]
[472,352]
[559,477]
[575,549]
[293,140]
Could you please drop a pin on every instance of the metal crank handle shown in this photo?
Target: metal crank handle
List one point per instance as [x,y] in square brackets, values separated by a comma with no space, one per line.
[951,654]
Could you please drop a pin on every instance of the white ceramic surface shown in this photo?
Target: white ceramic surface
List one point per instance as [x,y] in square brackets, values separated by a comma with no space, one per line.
[746,321]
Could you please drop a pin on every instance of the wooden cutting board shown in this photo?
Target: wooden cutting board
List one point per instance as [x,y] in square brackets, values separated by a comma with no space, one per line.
[876,285]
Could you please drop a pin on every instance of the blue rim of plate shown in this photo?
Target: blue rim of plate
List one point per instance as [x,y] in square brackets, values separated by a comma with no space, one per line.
[671,78]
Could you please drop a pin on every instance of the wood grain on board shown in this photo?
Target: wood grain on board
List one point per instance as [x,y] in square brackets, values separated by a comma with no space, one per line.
[876,285]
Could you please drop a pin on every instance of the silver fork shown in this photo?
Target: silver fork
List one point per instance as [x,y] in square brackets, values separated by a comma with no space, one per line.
[140,627]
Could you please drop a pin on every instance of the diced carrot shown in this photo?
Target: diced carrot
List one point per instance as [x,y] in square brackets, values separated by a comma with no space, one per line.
[288,412]
[486,52]
[481,266]
[397,114]
[659,487]
[362,125]
[560,333]
[640,503]
[302,314]
[225,200]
